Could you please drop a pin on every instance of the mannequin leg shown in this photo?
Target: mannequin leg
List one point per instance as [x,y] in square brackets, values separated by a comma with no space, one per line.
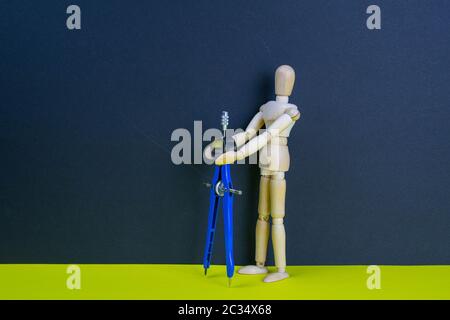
[277,209]
[262,224]
[262,229]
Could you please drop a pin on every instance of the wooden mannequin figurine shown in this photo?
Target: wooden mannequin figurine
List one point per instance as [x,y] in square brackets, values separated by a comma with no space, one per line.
[279,117]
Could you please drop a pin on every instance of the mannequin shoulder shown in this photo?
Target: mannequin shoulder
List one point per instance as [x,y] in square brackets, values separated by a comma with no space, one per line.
[271,106]
[263,107]
[273,109]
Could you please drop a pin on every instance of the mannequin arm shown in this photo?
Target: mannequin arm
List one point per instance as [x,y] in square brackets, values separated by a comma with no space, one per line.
[263,139]
[252,129]
[239,138]
[258,142]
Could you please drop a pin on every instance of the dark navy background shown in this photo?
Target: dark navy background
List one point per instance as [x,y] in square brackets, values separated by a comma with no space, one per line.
[86,118]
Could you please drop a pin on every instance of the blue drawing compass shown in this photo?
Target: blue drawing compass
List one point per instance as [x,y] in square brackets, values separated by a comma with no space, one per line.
[221,190]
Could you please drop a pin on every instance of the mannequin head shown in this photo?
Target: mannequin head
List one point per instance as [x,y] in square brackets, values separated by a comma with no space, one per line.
[284,80]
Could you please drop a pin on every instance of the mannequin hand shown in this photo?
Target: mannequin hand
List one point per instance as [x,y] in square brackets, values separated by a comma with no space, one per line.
[226,158]
[216,144]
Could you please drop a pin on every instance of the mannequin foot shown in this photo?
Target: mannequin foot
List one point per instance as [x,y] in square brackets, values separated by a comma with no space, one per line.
[276,276]
[252,270]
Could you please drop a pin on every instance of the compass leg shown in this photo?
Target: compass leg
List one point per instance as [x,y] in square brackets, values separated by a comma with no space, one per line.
[228,225]
[212,222]
[228,221]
